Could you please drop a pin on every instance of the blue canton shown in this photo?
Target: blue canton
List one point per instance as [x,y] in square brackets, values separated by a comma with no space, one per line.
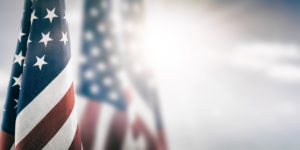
[100,53]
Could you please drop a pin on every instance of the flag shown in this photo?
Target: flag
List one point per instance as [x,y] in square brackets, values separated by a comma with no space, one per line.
[114,117]
[40,107]
[104,121]
[140,78]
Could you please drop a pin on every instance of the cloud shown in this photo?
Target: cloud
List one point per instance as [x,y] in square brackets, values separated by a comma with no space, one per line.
[274,60]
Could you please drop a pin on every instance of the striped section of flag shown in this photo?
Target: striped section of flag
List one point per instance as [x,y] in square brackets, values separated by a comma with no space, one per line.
[40,110]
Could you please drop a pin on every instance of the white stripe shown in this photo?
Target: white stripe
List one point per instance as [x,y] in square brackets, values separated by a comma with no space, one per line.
[64,137]
[104,122]
[40,106]
[139,107]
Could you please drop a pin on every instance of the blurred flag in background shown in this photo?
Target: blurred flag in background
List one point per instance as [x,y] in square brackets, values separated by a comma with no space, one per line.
[39,111]
[122,111]
[140,82]
[104,121]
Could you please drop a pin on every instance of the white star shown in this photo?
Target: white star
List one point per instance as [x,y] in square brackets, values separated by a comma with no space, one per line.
[107,81]
[19,58]
[95,51]
[67,16]
[32,17]
[113,95]
[64,38]
[101,28]
[89,74]
[94,89]
[17,81]
[40,62]
[51,14]
[88,35]
[94,12]
[113,60]
[45,39]
[107,43]
[16,100]
[20,35]
[101,66]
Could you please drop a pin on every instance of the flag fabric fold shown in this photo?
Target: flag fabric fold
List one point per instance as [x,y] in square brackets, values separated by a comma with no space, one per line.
[40,111]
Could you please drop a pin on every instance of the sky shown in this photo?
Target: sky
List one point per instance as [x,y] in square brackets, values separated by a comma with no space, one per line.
[228,72]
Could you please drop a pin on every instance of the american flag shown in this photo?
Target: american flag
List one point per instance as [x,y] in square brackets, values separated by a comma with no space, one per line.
[40,108]
[140,76]
[122,111]
[104,120]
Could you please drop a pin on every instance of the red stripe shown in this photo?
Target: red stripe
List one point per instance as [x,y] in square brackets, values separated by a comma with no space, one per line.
[88,125]
[41,134]
[128,96]
[117,131]
[76,144]
[139,128]
[6,140]
[162,139]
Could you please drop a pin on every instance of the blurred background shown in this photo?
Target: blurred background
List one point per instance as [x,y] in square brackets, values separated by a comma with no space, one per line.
[228,71]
